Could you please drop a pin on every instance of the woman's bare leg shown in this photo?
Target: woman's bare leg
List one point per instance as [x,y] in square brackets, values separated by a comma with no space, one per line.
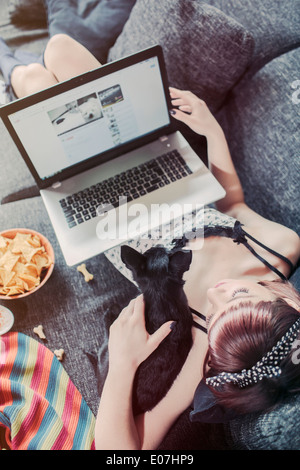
[64,58]
[28,79]
[67,58]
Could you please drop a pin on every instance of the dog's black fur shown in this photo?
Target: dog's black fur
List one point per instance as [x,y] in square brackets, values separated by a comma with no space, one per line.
[158,274]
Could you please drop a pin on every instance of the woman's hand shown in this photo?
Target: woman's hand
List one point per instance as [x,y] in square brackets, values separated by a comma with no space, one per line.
[194,113]
[129,342]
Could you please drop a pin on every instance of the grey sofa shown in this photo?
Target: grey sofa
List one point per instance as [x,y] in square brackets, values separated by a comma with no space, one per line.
[242,58]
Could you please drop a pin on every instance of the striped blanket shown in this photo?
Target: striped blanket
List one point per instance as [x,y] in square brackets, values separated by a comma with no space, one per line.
[40,408]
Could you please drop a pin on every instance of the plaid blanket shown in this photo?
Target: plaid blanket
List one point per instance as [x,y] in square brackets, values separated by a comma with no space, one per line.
[40,408]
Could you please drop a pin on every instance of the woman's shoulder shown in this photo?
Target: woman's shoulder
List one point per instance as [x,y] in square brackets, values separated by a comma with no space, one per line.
[276,236]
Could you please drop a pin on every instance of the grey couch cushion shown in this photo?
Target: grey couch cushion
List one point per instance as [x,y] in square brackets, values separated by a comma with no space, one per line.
[205,51]
[273,24]
[262,122]
[277,430]
[95,24]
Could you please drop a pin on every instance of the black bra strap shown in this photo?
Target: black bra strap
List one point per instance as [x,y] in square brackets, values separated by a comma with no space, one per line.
[200,327]
[240,233]
[200,315]
[286,260]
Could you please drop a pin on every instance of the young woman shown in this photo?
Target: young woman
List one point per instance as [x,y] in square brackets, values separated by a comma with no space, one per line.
[239,286]
[237,281]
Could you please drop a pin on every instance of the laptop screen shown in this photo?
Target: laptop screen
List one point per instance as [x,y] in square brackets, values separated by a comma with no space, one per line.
[91,119]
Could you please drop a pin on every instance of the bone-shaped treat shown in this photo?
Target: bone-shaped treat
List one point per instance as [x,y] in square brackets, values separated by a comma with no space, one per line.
[59,353]
[38,330]
[87,276]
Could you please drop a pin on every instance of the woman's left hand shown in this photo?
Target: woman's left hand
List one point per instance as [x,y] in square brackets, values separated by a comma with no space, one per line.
[129,342]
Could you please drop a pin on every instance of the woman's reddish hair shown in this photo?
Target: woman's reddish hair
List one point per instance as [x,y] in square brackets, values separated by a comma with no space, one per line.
[241,336]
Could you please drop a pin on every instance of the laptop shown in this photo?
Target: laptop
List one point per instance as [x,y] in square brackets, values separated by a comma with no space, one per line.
[106,155]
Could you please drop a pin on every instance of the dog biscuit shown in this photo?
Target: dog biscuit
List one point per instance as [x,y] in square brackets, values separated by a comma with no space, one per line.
[59,353]
[38,330]
[87,276]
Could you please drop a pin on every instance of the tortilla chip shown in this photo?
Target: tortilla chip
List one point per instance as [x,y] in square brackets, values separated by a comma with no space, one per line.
[35,242]
[8,261]
[30,281]
[3,242]
[19,242]
[5,277]
[41,261]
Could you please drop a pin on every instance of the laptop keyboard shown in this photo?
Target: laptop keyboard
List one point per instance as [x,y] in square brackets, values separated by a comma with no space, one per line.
[132,184]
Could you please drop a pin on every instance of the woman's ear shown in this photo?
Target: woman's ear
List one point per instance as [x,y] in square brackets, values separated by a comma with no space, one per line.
[292,304]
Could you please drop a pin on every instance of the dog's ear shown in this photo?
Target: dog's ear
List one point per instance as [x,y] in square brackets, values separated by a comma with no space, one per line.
[132,258]
[180,261]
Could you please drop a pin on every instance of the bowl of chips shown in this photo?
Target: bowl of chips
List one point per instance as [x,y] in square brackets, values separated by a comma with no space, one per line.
[26,262]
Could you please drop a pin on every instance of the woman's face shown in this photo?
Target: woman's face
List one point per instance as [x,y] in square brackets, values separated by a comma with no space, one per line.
[230,292]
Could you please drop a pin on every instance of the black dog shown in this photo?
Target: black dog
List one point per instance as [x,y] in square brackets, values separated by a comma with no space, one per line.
[158,274]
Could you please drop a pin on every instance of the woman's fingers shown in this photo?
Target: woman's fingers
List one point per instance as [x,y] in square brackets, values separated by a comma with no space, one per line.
[129,339]
[183,96]
[176,93]
[134,307]
[127,311]
[186,108]
[186,104]
[182,116]
[138,306]
[159,335]
[193,112]
[173,92]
